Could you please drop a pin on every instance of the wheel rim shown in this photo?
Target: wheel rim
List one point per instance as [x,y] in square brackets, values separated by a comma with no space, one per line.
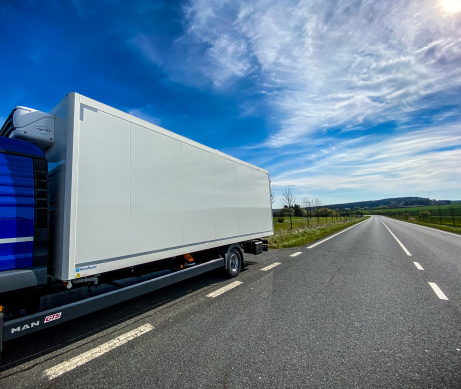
[234,262]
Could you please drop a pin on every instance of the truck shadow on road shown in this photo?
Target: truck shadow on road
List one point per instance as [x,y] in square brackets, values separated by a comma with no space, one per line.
[36,348]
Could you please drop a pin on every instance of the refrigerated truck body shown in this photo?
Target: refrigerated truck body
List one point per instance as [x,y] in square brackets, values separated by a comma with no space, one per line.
[91,191]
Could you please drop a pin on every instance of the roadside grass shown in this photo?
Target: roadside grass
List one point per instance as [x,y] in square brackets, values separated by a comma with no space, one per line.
[301,235]
[300,222]
[455,230]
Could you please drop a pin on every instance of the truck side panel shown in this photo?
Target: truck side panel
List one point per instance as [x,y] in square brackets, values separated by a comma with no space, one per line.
[246,200]
[102,222]
[155,190]
[262,201]
[197,195]
[226,188]
[139,193]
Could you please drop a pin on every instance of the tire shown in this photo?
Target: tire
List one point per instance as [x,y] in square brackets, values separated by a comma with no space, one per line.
[234,264]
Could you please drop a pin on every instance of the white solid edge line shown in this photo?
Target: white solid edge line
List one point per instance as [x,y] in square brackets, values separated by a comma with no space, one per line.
[398,241]
[332,236]
[438,291]
[224,289]
[270,266]
[418,266]
[96,352]
[296,254]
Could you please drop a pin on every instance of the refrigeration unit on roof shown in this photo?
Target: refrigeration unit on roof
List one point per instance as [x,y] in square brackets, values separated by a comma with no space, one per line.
[30,125]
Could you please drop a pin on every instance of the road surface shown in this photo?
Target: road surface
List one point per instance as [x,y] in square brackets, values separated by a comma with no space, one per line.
[377,305]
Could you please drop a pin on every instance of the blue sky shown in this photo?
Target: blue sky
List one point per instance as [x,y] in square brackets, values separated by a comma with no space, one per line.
[339,100]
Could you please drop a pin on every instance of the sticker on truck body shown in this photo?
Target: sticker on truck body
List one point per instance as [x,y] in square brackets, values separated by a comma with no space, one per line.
[53,317]
[90,267]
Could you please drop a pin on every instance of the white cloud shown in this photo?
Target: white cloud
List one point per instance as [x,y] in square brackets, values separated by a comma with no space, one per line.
[227,55]
[145,114]
[324,75]
[419,161]
[331,64]
[150,52]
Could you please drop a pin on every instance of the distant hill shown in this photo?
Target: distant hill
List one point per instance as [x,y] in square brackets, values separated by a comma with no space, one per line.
[390,203]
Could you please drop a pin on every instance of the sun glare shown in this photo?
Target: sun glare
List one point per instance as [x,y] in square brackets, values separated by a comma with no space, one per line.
[451,5]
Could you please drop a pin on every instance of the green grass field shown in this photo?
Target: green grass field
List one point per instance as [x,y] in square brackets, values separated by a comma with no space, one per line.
[284,237]
[439,215]
[434,209]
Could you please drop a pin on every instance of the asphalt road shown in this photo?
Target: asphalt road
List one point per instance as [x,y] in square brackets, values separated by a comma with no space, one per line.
[354,311]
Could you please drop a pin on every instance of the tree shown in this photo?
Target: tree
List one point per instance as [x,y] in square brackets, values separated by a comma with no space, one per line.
[284,212]
[298,211]
[307,204]
[325,212]
[289,200]
[338,213]
[317,205]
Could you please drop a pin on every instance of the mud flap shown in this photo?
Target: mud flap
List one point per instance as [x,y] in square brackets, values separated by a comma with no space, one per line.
[1,332]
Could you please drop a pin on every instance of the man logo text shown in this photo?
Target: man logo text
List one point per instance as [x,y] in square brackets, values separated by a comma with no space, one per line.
[25,327]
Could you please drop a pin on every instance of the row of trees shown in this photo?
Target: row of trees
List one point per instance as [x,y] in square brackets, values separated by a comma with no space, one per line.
[395,202]
[309,208]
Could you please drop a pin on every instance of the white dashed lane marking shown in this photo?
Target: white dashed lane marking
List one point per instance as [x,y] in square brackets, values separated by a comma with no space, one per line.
[224,289]
[96,352]
[296,254]
[418,266]
[438,291]
[270,266]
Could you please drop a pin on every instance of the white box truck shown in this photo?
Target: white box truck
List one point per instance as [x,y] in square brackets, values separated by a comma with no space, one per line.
[110,195]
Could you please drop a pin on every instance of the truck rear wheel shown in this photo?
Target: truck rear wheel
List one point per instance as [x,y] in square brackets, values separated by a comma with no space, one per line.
[235,263]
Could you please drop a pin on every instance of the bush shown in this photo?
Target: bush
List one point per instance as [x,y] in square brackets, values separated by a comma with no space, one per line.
[424,214]
[280,220]
[285,212]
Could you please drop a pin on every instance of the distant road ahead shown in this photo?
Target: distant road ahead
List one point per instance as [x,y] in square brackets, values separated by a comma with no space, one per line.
[438,252]
[378,305]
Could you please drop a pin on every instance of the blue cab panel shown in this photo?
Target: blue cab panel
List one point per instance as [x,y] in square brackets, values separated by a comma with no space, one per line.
[14,146]
[17,203]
